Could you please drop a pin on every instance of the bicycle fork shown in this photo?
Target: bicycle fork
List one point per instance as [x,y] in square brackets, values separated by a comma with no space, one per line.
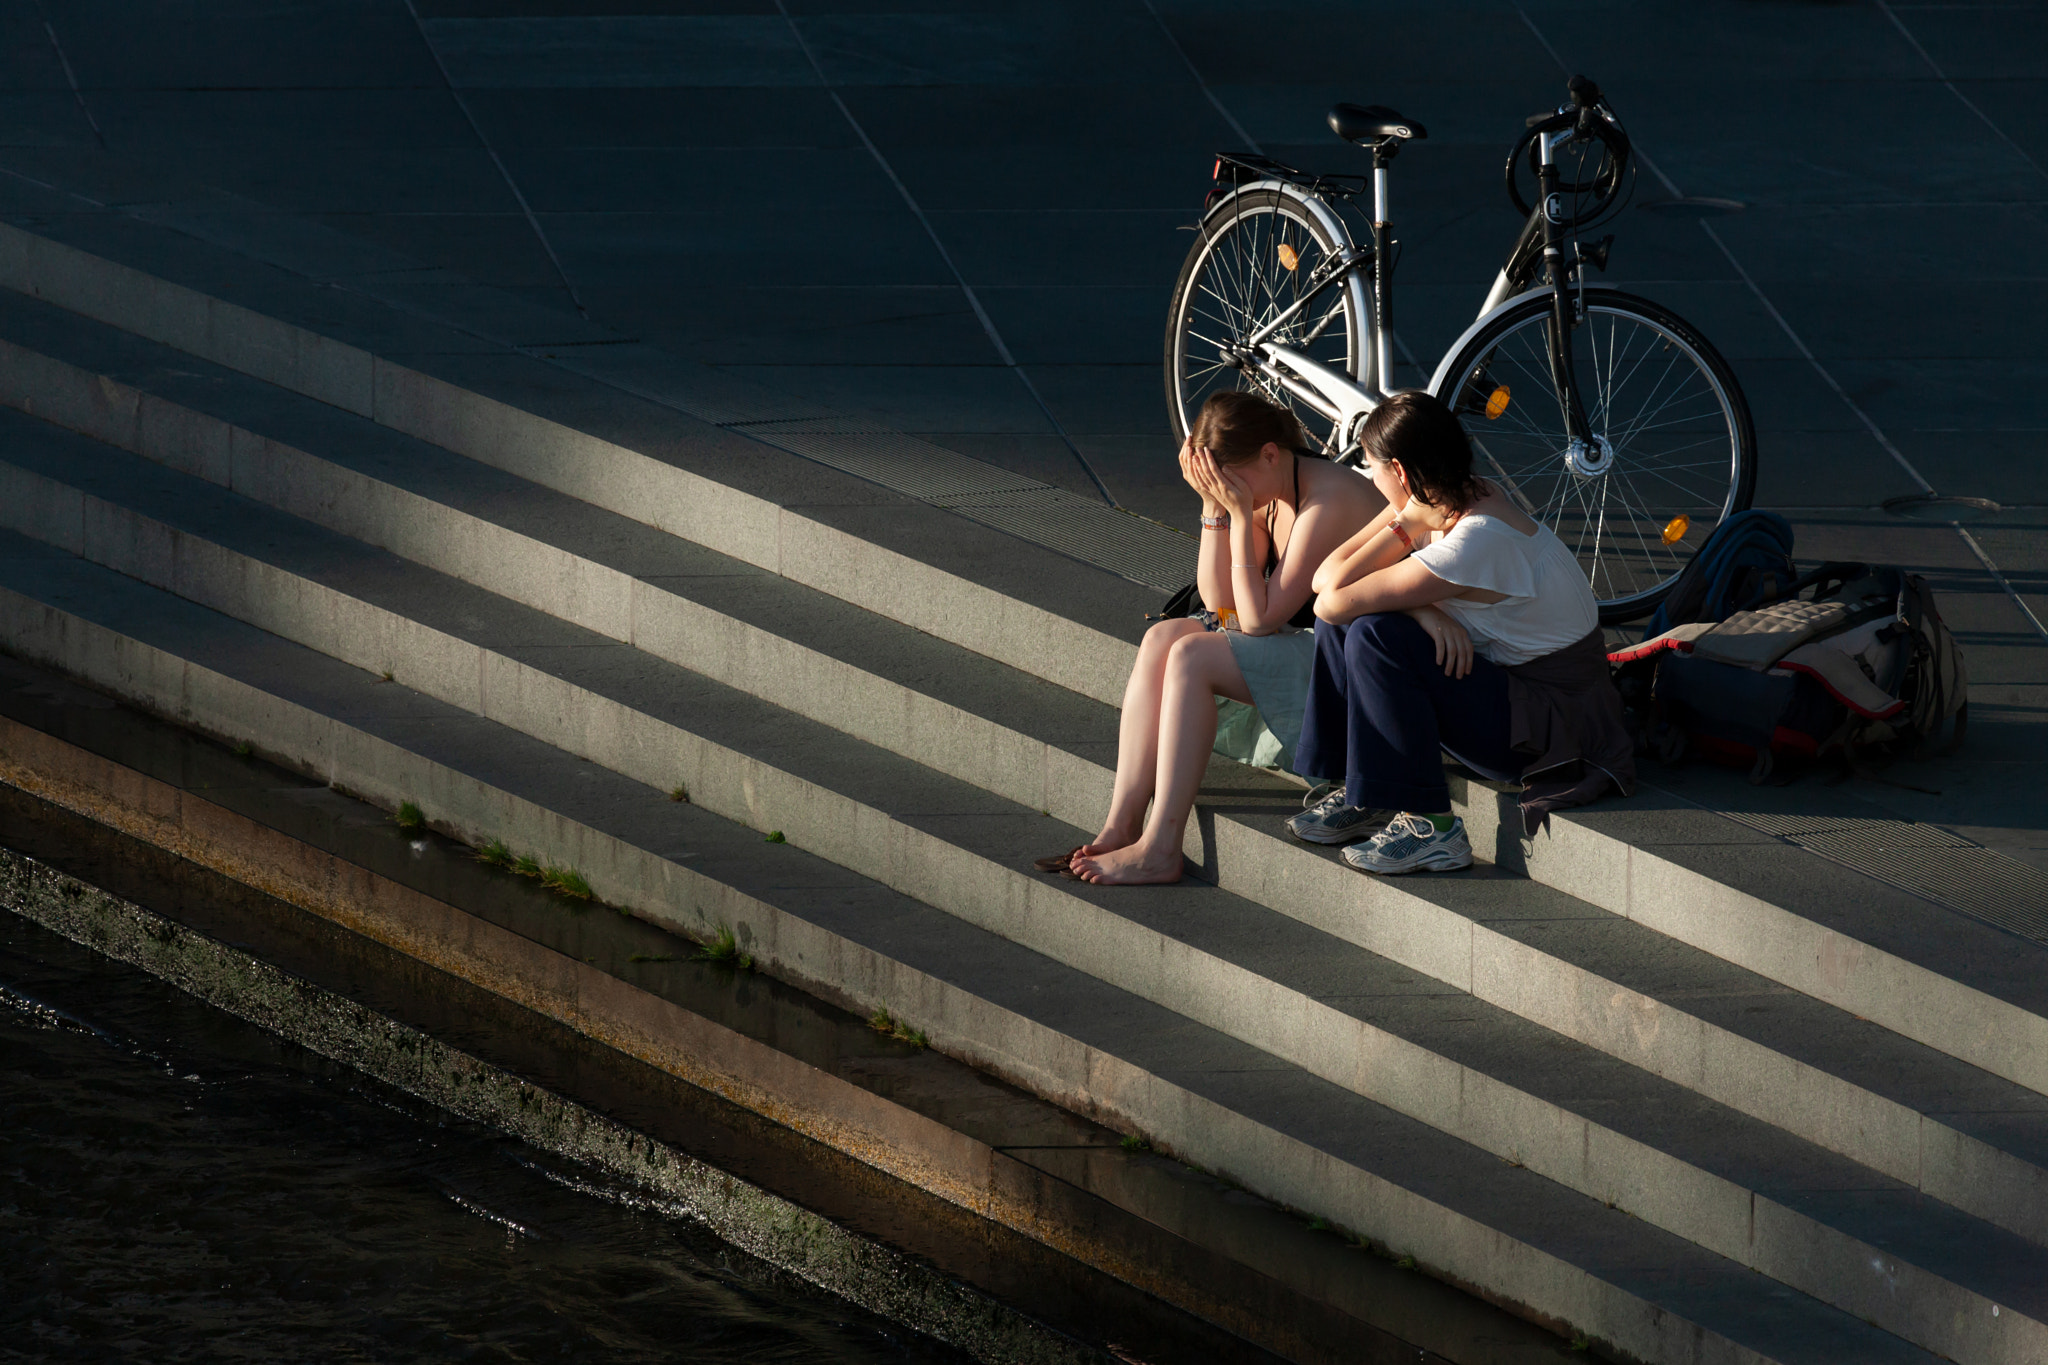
[1587,454]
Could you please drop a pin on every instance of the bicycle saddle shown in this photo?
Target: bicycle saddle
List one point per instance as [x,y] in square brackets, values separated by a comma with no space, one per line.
[1372,123]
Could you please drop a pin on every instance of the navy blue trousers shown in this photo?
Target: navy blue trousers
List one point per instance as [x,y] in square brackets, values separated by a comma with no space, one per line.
[1382,713]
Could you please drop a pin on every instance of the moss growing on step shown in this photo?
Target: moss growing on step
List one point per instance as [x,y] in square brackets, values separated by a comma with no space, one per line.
[244,749]
[526,865]
[881,1021]
[775,837]
[565,881]
[1133,1143]
[410,817]
[724,949]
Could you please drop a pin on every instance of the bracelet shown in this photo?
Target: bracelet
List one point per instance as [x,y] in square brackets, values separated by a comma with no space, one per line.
[1221,523]
[1398,529]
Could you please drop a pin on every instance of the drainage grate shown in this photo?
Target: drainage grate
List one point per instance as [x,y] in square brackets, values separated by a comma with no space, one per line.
[1931,862]
[1852,832]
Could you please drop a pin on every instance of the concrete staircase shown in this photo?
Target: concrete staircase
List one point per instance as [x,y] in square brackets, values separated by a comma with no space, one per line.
[1655,1077]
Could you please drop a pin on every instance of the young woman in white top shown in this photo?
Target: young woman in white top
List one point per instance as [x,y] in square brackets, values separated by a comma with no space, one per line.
[1421,618]
[1271,512]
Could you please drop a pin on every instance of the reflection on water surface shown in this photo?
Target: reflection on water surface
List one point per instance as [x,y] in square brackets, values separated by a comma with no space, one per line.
[176,1185]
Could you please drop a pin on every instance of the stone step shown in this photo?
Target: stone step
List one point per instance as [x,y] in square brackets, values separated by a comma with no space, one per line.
[1722,886]
[1606,1129]
[1914,1115]
[1195,1091]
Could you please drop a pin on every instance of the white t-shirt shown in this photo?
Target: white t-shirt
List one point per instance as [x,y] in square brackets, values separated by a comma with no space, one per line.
[1548,603]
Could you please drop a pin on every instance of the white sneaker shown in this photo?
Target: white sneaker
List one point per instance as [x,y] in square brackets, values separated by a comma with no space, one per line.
[1410,843]
[1329,821]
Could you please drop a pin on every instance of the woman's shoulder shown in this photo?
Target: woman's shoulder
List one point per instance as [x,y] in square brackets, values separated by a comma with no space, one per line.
[1347,494]
[1328,477]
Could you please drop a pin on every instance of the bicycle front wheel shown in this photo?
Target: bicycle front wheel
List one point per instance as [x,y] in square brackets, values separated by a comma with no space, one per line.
[1253,258]
[1674,450]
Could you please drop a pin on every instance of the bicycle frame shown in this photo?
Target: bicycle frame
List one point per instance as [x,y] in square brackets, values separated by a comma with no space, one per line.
[1346,402]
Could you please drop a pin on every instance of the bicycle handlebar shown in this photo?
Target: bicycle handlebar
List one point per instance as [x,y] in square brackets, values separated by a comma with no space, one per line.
[1590,119]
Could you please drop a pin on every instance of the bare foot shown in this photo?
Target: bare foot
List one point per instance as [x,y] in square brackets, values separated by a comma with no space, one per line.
[1129,866]
[1109,841]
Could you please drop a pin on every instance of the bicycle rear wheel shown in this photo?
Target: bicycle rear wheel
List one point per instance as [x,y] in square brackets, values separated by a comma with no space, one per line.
[1251,257]
[1674,450]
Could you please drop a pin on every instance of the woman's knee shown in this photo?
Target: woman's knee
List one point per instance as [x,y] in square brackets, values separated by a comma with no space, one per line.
[1199,658]
[1166,634]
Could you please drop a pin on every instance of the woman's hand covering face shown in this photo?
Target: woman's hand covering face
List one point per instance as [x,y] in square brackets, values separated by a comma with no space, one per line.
[1222,484]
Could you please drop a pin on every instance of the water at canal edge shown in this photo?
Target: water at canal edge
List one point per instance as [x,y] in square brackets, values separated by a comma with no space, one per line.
[176,1184]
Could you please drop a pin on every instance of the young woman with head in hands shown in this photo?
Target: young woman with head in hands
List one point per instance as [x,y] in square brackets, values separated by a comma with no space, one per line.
[1272,510]
[1453,624]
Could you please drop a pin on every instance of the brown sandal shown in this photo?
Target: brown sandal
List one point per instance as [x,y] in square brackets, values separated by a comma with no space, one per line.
[1059,862]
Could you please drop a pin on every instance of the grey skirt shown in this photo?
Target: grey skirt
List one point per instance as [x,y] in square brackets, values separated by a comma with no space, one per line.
[1276,670]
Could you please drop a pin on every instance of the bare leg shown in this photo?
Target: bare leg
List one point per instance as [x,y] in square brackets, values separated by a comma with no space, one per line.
[1137,748]
[1199,669]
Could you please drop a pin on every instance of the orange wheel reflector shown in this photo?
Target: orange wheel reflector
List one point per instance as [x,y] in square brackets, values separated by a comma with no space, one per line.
[1676,529]
[1496,403]
[1289,257]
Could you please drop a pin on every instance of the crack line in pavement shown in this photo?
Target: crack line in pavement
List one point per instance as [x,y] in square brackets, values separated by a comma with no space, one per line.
[492,152]
[1998,577]
[71,76]
[988,324]
[1201,84]
[1965,100]
[1826,375]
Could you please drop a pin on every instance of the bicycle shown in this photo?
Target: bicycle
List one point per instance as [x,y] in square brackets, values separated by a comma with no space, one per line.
[1276,295]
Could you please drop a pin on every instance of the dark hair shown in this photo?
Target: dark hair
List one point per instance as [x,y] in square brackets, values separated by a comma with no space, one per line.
[1426,438]
[1236,426]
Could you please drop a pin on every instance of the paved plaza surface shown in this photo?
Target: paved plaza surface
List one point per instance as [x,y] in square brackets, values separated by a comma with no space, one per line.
[960,221]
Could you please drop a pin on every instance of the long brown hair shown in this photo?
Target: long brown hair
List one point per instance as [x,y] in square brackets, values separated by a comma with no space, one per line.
[1426,438]
[1237,426]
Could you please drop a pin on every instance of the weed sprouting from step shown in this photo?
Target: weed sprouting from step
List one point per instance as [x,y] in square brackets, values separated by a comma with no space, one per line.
[775,837]
[649,957]
[244,749]
[1407,1262]
[410,817]
[1582,1342]
[679,792]
[724,949]
[1320,1225]
[496,853]
[883,1022]
[386,676]
[566,881]
[526,865]
[1133,1143]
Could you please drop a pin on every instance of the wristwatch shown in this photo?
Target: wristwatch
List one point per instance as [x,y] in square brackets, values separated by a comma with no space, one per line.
[1220,523]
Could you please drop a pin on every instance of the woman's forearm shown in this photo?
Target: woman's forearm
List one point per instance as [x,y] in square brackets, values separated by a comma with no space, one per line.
[1248,584]
[1212,566]
[1398,587]
[1360,555]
